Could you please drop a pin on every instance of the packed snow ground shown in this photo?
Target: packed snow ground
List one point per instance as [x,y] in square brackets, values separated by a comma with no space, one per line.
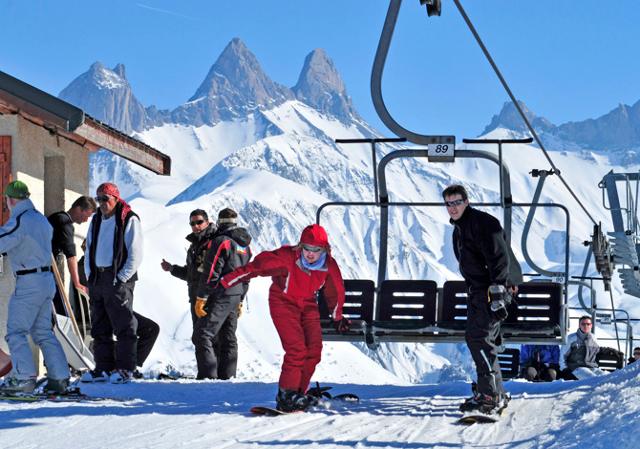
[601,412]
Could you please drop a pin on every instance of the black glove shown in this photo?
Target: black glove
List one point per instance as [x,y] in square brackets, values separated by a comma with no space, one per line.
[342,325]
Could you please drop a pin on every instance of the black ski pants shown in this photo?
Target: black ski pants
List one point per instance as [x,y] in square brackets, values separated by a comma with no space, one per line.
[112,314]
[224,372]
[214,337]
[481,335]
[147,333]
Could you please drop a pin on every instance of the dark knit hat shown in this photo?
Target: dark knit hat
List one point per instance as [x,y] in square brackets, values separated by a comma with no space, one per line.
[227,216]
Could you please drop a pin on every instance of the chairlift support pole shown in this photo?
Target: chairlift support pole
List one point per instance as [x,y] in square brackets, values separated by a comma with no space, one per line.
[608,183]
[384,195]
[376,85]
[499,142]
[373,143]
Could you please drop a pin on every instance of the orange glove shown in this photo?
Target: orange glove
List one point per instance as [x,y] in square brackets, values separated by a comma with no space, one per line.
[199,307]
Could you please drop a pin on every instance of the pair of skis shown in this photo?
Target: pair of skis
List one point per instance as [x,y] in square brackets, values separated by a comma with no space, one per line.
[71,395]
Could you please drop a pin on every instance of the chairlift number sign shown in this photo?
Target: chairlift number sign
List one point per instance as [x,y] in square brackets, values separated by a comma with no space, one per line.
[441,152]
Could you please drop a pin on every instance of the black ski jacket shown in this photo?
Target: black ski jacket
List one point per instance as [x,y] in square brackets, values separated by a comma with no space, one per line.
[483,254]
[228,250]
[192,271]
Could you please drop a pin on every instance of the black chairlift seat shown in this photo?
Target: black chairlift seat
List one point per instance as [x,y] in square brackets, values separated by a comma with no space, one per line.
[417,311]
[358,307]
[509,361]
[536,313]
[610,359]
[406,309]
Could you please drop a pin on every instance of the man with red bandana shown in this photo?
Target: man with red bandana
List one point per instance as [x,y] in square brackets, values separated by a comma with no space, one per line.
[298,273]
[114,253]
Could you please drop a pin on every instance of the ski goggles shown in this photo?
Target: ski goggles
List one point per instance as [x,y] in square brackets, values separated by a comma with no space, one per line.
[312,249]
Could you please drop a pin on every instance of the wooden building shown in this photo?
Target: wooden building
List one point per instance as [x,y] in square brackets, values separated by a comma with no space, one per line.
[45,142]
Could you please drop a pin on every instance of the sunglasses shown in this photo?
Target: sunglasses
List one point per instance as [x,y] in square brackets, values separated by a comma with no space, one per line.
[102,198]
[454,203]
[196,222]
[312,249]
[586,324]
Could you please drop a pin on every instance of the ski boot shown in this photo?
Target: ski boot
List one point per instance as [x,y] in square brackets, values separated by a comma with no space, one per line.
[486,404]
[291,401]
[94,376]
[56,386]
[14,385]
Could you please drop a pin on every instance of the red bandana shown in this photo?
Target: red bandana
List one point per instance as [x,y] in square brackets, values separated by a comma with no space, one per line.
[108,188]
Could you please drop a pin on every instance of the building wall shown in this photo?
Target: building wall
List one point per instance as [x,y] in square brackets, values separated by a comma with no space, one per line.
[56,171]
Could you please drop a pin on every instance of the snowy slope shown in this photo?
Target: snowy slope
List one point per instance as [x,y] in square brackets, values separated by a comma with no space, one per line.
[597,413]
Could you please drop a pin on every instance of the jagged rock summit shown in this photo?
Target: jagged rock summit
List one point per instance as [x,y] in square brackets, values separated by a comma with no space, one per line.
[321,87]
[235,86]
[509,118]
[106,95]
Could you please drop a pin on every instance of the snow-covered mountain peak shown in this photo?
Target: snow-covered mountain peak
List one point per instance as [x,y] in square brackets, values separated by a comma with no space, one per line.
[509,118]
[321,86]
[235,86]
[106,95]
[102,77]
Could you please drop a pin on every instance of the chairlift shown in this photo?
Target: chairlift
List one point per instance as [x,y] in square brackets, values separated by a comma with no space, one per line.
[419,310]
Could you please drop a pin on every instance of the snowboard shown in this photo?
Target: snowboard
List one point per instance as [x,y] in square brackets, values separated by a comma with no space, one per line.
[481,418]
[270,411]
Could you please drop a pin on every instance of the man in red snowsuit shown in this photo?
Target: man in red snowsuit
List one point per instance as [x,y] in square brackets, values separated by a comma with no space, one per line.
[298,273]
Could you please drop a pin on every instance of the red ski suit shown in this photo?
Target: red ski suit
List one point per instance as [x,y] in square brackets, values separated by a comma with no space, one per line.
[293,307]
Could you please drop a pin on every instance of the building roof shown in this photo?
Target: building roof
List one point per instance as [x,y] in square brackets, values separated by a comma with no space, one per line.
[60,117]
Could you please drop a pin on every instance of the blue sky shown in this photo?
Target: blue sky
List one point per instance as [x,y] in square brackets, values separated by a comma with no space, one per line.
[567,59]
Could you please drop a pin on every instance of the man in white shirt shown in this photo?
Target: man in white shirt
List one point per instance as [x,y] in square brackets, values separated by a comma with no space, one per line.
[114,253]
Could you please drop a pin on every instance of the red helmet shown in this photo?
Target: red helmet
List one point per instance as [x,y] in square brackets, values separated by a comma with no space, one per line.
[314,235]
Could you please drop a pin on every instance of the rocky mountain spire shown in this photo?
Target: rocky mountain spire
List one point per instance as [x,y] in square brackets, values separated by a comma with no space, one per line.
[106,95]
[509,118]
[321,87]
[235,86]
[619,129]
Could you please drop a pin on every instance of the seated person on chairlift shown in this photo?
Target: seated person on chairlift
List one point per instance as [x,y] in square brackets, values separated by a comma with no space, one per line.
[578,356]
[636,355]
[539,362]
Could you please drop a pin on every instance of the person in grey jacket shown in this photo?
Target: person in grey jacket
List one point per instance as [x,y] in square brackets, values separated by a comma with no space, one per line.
[26,238]
[580,351]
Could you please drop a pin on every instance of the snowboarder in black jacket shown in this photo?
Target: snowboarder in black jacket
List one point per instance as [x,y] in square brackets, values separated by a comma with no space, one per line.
[217,308]
[485,260]
[200,239]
